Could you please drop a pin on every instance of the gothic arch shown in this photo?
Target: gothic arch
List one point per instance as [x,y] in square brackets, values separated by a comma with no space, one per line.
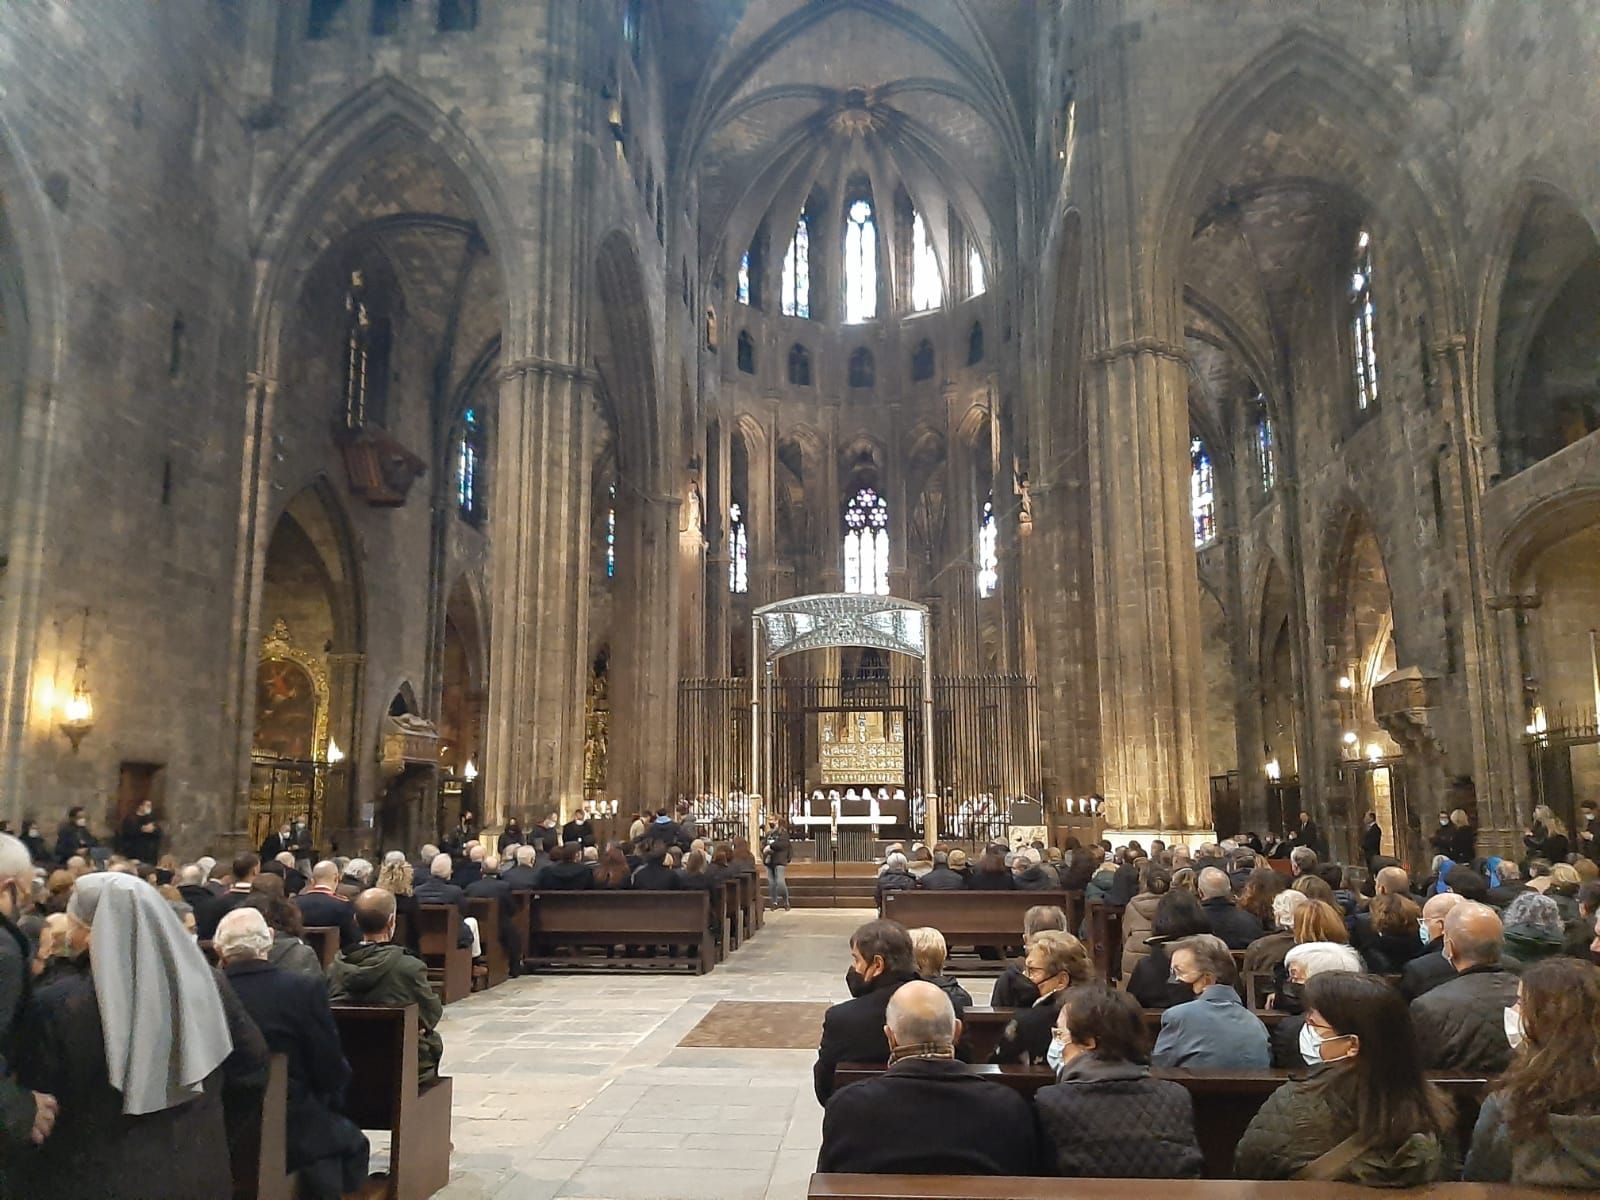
[625,351]
[316,510]
[1356,604]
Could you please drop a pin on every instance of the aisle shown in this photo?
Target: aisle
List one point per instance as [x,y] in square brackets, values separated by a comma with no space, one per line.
[577,1086]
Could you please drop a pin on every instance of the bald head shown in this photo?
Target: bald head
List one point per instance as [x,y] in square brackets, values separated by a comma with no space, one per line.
[1214,884]
[325,874]
[476,853]
[1472,935]
[919,1013]
[1392,881]
[375,914]
[1438,907]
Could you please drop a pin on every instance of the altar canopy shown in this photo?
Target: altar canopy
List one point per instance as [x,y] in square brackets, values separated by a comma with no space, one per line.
[842,619]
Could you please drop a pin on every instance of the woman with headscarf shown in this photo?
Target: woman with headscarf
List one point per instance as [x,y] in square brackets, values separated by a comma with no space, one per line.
[142,1051]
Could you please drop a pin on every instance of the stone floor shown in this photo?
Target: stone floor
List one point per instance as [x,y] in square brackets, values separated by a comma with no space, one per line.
[575,1086]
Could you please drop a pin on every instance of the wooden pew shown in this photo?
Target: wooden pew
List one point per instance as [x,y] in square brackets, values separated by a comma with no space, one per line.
[497,965]
[719,920]
[970,919]
[521,915]
[578,920]
[749,905]
[324,939]
[1105,939]
[449,964]
[1225,1102]
[260,1155]
[731,914]
[1010,1187]
[381,1046]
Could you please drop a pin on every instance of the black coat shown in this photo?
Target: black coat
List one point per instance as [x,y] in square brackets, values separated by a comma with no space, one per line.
[134,842]
[95,1149]
[564,877]
[1460,1024]
[521,878]
[1503,894]
[1110,1120]
[434,890]
[273,845]
[1036,879]
[1013,989]
[71,840]
[1384,953]
[942,879]
[578,831]
[207,915]
[321,908]
[1027,1035]
[466,873]
[653,875]
[1463,844]
[992,881]
[293,1015]
[1231,923]
[548,836]
[16,1103]
[927,1116]
[1150,984]
[853,1031]
[1426,971]
[776,851]
[1372,841]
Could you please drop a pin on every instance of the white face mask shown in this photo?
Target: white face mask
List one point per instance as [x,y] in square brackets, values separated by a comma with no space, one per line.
[1513,1025]
[1310,1046]
[1053,1055]
[1423,931]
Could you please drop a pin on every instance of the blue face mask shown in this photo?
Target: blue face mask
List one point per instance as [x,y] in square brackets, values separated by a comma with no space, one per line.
[1053,1056]
[1423,931]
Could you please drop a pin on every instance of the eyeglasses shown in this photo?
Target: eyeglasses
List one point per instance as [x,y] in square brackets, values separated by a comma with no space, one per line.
[1061,1035]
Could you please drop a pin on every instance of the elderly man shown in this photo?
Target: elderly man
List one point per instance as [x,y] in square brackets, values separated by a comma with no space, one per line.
[246,867]
[881,959]
[422,865]
[191,885]
[355,878]
[292,1012]
[927,1114]
[1214,1029]
[1430,968]
[942,878]
[322,904]
[379,972]
[1302,963]
[1461,1023]
[1390,881]
[491,886]
[1509,888]
[1229,922]
[1302,861]
[24,1115]
[437,889]
[524,876]
[470,869]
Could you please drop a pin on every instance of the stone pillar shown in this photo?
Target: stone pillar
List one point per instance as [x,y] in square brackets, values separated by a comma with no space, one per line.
[644,702]
[346,682]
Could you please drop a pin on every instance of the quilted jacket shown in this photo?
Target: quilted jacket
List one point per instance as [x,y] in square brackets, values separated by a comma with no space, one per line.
[1461,1023]
[1110,1120]
[1136,922]
[1304,1119]
[1567,1156]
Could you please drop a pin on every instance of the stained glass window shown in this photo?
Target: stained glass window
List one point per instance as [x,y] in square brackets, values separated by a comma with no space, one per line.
[988,550]
[860,264]
[744,278]
[866,544]
[1266,451]
[611,532]
[1363,323]
[738,551]
[976,284]
[1202,493]
[469,468]
[797,271]
[927,289]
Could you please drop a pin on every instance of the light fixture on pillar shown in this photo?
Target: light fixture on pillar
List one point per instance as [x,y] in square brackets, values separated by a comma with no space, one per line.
[1538,725]
[470,771]
[77,714]
[335,755]
[1345,683]
[1374,752]
[1273,771]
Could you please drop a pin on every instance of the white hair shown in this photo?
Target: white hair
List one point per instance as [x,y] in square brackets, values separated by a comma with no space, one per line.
[525,855]
[1318,957]
[491,863]
[15,861]
[189,876]
[286,858]
[207,864]
[440,866]
[242,933]
[1284,905]
[429,851]
[896,862]
[393,857]
[360,868]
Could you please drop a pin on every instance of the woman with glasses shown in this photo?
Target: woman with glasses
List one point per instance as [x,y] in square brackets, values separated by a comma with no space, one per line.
[1365,1114]
[1055,961]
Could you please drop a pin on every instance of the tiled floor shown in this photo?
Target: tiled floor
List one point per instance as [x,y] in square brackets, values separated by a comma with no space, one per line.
[574,1086]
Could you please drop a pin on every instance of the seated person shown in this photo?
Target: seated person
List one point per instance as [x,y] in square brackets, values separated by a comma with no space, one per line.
[1055,961]
[491,885]
[523,875]
[378,972]
[1461,1023]
[941,878]
[1386,934]
[321,904]
[655,872]
[1533,929]
[927,1114]
[1178,915]
[928,947]
[612,872]
[292,1012]
[1106,1118]
[1214,1029]
[895,876]
[565,870]
[880,961]
[1541,1126]
[437,888]
[1429,969]
[1303,963]
[1265,955]
[1365,1115]
[1014,989]
[1229,922]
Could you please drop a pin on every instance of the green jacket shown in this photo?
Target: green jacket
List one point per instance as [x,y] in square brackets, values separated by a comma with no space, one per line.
[386,975]
[1304,1119]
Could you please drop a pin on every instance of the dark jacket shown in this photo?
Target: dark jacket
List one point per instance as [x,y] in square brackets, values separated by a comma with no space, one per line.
[1013,989]
[521,878]
[653,875]
[466,874]
[1026,1039]
[942,879]
[1306,1118]
[1036,879]
[208,914]
[196,894]
[1371,842]
[96,1149]
[134,842]
[384,974]
[1384,953]
[1503,894]
[1426,971]
[578,831]
[992,881]
[1231,923]
[1566,1155]
[433,890]
[960,998]
[1110,1120]
[1285,1039]
[324,908]
[292,1013]
[1463,844]
[926,1116]
[1151,985]
[853,1031]
[1461,1023]
[564,877]
[893,881]
[16,1103]
[776,851]
[71,840]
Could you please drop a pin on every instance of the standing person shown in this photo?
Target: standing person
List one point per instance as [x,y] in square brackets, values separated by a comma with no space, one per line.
[580,830]
[549,833]
[140,835]
[775,855]
[1371,839]
[275,843]
[1463,838]
[1547,838]
[1588,831]
[510,838]
[1439,840]
[1311,836]
[35,843]
[139,1049]
[24,1115]
[74,838]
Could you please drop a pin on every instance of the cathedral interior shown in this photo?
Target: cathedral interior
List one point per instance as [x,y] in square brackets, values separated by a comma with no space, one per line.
[408,406]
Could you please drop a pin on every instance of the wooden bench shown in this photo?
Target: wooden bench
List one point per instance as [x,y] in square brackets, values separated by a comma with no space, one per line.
[324,939]
[1105,939]
[749,905]
[731,914]
[380,1045]
[970,919]
[605,919]
[449,962]
[1015,1187]
[497,965]
[521,916]
[1225,1102]
[259,1156]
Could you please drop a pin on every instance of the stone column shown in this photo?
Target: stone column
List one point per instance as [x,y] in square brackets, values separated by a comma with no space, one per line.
[644,703]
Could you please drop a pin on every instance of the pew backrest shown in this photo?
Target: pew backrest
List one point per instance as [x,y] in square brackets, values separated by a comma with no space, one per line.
[968,918]
[324,939]
[1007,1187]
[380,1044]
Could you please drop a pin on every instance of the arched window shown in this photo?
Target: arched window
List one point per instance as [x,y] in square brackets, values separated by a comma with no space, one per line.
[470,455]
[860,264]
[1266,450]
[975,344]
[738,551]
[861,368]
[747,352]
[611,531]
[633,27]
[1363,323]
[866,544]
[1202,493]
[797,271]
[922,361]
[743,292]
[457,16]
[927,289]
[976,284]
[799,366]
[988,555]
[366,359]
